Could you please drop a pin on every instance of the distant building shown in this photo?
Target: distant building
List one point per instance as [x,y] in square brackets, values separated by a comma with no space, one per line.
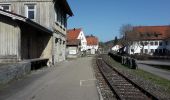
[50,14]
[74,34]
[116,47]
[152,40]
[73,48]
[92,44]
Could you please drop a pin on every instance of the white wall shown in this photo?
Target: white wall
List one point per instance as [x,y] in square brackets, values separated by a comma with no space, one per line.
[92,47]
[83,41]
[136,46]
[116,48]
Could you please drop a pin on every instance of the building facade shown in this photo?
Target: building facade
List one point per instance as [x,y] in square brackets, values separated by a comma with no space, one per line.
[74,34]
[151,40]
[22,39]
[92,44]
[51,14]
[73,48]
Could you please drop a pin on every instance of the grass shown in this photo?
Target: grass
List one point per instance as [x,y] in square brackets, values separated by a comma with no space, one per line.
[154,78]
[143,74]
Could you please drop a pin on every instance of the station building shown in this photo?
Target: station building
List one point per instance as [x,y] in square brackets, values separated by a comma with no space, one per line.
[33,29]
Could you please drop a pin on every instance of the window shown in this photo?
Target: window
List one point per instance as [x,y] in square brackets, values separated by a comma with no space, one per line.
[152,50]
[6,7]
[145,43]
[146,50]
[160,50]
[156,50]
[166,42]
[64,42]
[164,50]
[56,40]
[156,43]
[151,43]
[160,43]
[31,11]
[141,43]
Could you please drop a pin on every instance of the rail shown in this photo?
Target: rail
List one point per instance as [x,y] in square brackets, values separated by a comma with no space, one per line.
[121,85]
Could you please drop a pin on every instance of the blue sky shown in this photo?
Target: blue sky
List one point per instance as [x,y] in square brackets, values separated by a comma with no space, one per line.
[103,18]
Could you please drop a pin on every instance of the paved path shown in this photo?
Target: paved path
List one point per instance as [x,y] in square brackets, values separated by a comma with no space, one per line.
[69,80]
[155,62]
[159,72]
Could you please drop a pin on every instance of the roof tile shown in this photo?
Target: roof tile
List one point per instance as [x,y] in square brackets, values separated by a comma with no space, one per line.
[152,32]
[73,34]
[91,40]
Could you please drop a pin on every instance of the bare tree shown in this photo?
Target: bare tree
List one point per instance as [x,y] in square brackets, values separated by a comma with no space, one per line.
[125,33]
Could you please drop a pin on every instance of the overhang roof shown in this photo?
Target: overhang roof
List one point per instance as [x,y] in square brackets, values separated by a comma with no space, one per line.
[66,6]
[23,19]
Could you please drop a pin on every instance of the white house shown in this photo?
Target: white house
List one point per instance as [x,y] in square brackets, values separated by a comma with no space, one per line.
[116,47]
[92,44]
[152,40]
[74,34]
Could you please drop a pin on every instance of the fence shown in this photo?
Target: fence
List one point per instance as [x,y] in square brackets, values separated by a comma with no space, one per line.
[125,60]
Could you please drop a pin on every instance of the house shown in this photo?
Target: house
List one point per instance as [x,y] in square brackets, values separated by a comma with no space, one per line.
[50,14]
[116,47]
[152,40]
[92,44]
[74,34]
[73,48]
[21,38]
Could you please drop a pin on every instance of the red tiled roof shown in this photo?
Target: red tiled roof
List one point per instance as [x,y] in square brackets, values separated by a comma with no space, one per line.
[91,40]
[73,34]
[152,32]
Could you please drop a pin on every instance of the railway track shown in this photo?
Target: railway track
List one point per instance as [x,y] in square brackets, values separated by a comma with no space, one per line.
[121,86]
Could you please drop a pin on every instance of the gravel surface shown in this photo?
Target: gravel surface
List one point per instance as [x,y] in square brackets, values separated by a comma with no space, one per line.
[149,86]
[104,89]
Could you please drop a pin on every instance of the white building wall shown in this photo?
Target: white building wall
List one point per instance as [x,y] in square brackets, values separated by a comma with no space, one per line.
[116,48]
[93,47]
[83,41]
[136,46]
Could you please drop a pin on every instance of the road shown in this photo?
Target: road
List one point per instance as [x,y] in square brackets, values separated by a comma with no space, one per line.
[68,80]
[145,65]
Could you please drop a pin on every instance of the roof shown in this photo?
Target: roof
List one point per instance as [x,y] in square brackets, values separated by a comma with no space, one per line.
[66,7]
[73,42]
[92,40]
[72,34]
[25,20]
[150,32]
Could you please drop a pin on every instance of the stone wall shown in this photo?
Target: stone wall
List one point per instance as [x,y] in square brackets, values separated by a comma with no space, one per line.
[9,72]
